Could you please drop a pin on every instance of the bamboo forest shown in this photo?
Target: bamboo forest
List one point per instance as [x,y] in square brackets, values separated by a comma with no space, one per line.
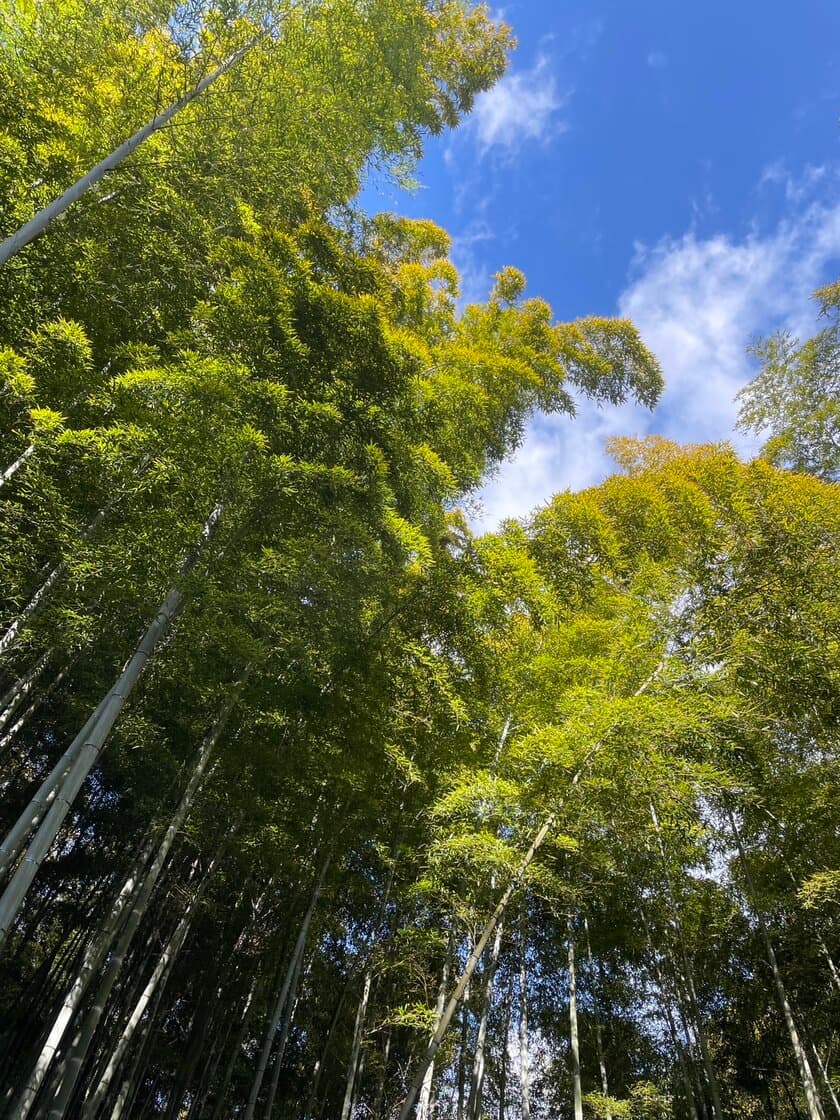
[317,802]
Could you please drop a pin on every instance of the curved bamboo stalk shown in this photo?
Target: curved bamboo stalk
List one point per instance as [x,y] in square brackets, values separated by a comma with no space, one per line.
[475,956]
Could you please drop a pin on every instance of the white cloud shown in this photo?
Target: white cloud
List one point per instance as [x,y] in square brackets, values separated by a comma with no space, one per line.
[558,453]
[522,106]
[697,303]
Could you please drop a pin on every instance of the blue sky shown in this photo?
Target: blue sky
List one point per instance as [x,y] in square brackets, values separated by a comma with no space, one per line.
[675,162]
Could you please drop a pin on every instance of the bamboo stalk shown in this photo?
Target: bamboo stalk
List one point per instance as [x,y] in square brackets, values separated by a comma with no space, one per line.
[38,225]
[58,792]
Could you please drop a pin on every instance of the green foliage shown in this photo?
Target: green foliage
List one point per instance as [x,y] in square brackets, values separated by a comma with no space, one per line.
[215,328]
[646,1102]
[795,395]
[821,890]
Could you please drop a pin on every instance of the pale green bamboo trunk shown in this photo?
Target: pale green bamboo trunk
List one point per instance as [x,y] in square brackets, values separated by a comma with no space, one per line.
[469,968]
[157,980]
[92,960]
[18,692]
[358,1032]
[599,1033]
[37,225]
[424,1106]
[688,977]
[574,1039]
[294,998]
[524,1046]
[282,995]
[54,799]
[10,471]
[479,1058]
[806,1077]
[134,915]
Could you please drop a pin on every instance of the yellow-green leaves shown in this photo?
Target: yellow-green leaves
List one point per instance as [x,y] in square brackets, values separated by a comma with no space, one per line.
[821,891]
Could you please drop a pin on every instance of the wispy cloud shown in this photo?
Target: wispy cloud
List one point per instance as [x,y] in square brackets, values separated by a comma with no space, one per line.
[559,453]
[476,278]
[697,303]
[795,188]
[581,40]
[524,105]
[657,60]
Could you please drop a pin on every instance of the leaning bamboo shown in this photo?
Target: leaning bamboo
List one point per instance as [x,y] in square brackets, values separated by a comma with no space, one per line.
[479,1058]
[93,958]
[157,979]
[424,1107]
[20,690]
[42,220]
[14,467]
[136,912]
[81,756]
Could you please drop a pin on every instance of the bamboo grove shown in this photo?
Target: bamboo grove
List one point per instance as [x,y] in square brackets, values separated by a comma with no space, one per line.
[315,805]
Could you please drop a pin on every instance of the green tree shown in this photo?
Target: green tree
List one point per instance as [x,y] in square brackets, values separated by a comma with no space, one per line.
[794,396]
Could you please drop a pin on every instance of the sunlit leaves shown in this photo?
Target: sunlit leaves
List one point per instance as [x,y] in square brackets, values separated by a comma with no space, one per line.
[794,397]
